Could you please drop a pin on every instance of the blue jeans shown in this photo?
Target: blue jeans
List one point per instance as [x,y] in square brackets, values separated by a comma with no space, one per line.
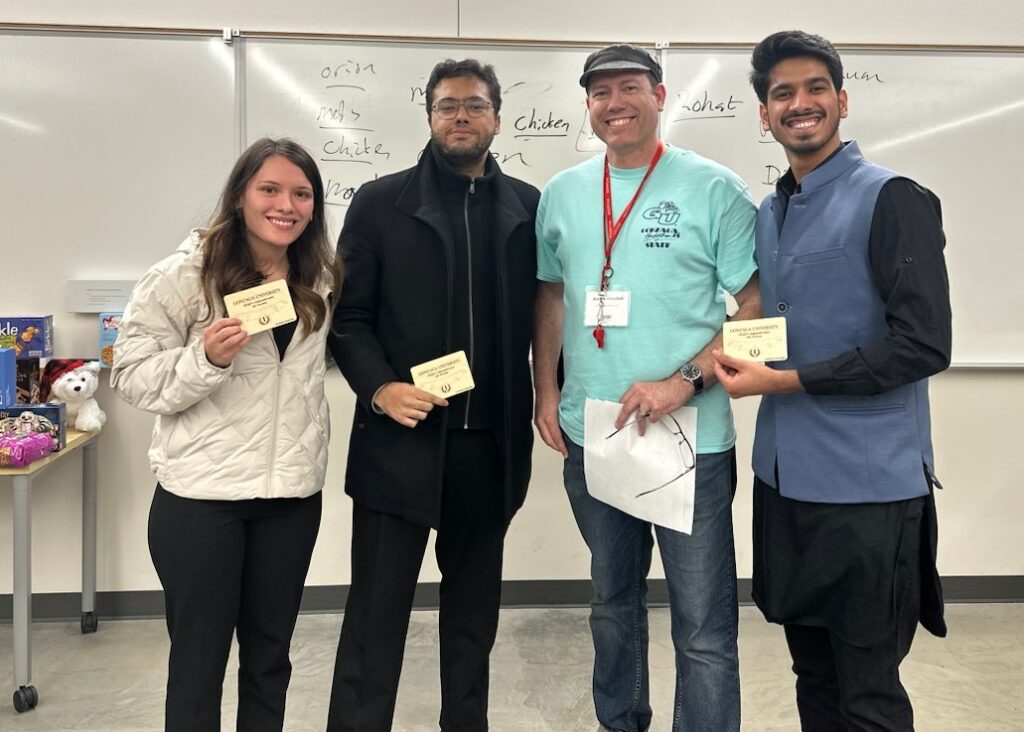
[700,571]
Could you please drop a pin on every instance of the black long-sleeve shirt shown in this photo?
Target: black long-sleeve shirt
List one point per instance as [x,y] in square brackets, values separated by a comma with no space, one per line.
[909,270]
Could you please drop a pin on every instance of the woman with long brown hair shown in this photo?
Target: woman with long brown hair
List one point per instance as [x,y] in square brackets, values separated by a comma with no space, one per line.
[240,441]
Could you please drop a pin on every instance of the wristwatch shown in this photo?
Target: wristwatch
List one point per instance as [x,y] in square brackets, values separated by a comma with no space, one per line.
[691,372]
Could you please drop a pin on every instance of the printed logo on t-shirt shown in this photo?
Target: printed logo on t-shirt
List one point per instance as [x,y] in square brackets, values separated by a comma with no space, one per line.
[665,214]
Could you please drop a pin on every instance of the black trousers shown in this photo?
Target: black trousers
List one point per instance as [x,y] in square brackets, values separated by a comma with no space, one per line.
[387,552]
[850,583]
[841,687]
[227,566]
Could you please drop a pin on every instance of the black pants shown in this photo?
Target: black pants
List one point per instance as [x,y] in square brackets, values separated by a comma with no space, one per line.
[846,581]
[841,687]
[228,565]
[387,552]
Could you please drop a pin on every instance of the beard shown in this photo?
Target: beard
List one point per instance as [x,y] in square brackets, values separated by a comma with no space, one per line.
[813,144]
[464,154]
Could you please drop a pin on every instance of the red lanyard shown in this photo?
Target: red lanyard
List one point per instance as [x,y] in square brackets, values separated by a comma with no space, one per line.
[611,230]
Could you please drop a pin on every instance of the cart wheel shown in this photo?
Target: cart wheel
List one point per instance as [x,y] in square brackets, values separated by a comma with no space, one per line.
[89,622]
[25,698]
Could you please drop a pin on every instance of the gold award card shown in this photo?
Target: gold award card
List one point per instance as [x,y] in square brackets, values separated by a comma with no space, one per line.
[262,307]
[444,377]
[756,340]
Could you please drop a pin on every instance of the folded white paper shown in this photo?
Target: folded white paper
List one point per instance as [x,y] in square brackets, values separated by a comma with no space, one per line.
[650,477]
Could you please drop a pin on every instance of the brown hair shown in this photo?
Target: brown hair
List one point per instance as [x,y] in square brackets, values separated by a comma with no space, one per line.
[227,261]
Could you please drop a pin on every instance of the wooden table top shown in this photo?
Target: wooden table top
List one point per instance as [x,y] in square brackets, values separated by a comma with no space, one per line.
[75,440]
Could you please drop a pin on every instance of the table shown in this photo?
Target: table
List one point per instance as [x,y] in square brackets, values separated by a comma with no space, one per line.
[25,695]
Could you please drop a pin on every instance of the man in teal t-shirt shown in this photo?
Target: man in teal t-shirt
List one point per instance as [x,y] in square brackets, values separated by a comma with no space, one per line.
[674,231]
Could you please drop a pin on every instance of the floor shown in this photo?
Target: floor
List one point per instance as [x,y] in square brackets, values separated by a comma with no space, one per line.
[972,681]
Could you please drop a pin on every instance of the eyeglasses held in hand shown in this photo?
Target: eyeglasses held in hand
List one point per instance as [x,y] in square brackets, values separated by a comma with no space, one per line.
[687,457]
[449,108]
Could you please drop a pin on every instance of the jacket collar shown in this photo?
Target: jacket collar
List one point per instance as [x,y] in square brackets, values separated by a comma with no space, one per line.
[420,199]
[450,179]
[847,157]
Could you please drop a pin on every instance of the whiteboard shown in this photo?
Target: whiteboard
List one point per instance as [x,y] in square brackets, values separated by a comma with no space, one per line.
[359,107]
[115,144]
[112,148]
[951,121]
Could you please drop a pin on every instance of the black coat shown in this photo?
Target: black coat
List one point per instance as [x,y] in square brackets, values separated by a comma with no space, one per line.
[395,313]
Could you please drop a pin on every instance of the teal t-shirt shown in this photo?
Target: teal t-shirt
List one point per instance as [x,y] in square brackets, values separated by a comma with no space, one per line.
[689,236]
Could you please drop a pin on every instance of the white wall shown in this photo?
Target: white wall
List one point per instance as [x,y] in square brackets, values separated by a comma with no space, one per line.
[975,412]
[986,22]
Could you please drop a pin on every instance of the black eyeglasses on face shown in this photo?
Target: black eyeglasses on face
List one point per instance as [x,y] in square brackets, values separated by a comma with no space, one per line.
[449,108]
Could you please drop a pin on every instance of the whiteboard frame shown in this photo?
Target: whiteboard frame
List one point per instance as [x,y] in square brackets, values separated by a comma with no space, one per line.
[654,43]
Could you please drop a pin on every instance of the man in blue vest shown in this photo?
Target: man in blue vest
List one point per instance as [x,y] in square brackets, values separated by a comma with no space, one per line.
[844,518]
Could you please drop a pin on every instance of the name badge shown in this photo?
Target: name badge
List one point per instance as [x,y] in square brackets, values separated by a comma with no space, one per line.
[609,308]
[756,340]
[444,377]
[262,307]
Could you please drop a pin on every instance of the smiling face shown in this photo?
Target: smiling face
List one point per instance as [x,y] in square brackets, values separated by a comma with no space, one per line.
[802,111]
[624,108]
[464,140]
[277,206]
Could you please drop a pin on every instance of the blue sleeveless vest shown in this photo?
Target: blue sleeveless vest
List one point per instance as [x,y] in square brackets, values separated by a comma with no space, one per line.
[815,271]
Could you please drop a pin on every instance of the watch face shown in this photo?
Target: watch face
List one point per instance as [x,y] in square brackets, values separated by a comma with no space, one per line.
[691,371]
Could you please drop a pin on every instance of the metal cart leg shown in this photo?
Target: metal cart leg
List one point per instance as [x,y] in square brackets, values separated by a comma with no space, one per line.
[89,620]
[25,696]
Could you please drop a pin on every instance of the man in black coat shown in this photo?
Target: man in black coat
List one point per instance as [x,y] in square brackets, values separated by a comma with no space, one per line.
[439,258]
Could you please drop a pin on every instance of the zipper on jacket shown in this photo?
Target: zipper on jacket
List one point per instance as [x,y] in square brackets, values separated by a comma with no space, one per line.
[272,452]
[469,283]
[505,335]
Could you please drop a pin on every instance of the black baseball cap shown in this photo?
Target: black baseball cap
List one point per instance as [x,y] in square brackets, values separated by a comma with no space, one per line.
[620,57]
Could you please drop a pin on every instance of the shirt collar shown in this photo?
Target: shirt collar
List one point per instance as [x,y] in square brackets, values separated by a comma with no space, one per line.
[787,185]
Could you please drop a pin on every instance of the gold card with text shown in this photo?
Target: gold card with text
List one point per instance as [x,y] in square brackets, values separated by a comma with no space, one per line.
[756,340]
[262,307]
[444,377]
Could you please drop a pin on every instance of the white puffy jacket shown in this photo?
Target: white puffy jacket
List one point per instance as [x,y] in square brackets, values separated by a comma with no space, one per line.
[256,429]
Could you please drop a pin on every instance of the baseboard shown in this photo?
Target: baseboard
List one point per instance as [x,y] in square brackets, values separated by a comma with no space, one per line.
[63,606]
